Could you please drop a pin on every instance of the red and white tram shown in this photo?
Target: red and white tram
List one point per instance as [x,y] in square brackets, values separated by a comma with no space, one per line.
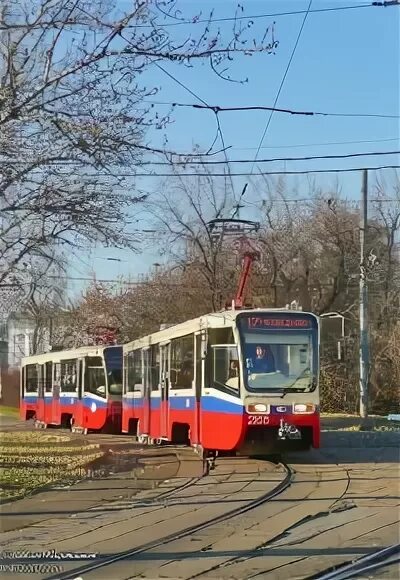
[237,380]
[81,388]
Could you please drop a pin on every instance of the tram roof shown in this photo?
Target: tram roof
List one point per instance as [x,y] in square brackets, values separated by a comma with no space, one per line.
[222,319]
[59,355]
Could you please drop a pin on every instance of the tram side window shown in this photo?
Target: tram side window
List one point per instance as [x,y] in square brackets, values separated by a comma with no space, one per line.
[199,365]
[32,379]
[69,376]
[57,375]
[125,373]
[41,379]
[182,362]
[155,367]
[95,377]
[134,375]
[221,336]
[48,384]
[225,367]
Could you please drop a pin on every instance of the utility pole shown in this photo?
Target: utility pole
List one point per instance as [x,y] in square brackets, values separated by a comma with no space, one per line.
[364,335]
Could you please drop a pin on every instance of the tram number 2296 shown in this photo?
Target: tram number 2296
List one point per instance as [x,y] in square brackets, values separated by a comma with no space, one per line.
[257,420]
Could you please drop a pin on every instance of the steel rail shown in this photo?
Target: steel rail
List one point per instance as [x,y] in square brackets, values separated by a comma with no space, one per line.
[373,561]
[126,554]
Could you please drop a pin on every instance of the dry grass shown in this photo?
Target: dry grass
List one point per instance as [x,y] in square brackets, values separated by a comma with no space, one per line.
[9,411]
[30,461]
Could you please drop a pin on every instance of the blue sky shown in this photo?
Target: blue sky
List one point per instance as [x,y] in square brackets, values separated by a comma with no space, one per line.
[346,61]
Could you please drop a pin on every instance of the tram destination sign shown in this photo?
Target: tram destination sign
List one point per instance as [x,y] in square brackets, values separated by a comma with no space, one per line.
[271,322]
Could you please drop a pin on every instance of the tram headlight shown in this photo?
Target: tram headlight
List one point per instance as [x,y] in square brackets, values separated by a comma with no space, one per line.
[304,408]
[257,408]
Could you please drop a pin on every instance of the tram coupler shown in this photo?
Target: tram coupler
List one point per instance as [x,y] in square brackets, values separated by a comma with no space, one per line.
[210,458]
[287,431]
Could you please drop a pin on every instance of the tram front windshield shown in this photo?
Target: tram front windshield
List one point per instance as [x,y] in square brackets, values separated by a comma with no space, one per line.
[279,354]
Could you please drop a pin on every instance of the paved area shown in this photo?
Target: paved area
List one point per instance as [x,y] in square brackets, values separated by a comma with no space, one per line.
[7,421]
[342,504]
[151,468]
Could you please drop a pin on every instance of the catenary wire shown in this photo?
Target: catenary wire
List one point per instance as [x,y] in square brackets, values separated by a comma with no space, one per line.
[273,109]
[261,173]
[275,159]
[281,85]
[194,21]
[222,162]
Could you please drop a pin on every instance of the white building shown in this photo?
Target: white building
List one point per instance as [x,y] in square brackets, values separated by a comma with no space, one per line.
[17,337]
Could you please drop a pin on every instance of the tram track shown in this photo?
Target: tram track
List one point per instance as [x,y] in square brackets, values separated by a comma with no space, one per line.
[184,533]
[256,550]
[370,562]
[309,543]
[168,493]
[300,532]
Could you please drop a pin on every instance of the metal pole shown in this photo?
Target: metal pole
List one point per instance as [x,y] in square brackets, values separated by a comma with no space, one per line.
[364,337]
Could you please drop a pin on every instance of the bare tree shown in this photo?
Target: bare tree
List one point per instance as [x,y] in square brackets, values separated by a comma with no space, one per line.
[74,115]
[182,209]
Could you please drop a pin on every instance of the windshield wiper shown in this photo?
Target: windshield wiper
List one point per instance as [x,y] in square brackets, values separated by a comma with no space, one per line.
[301,375]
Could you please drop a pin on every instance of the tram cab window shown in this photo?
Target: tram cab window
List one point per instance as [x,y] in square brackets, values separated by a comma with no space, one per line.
[95,378]
[32,379]
[182,362]
[134,371]
[279,360]
[225,367]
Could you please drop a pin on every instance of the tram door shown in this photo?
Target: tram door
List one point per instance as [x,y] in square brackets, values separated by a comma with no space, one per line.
[78,410]
[164,382]
[55,405]
[200,351]
[55,409]
[40,409]
[145,428]
[48,393]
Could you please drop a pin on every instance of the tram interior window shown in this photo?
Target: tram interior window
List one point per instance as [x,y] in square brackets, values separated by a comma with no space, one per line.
[48,383]
[182,362]
[134,375]
[95,378]
[225,367]
[155,367]
[69,376]
[32,379]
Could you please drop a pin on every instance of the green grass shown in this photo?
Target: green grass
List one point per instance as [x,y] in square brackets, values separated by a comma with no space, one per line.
[9,411]
[31,461]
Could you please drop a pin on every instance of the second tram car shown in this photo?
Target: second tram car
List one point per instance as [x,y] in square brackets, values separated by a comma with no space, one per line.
[80,388]
[237,380]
